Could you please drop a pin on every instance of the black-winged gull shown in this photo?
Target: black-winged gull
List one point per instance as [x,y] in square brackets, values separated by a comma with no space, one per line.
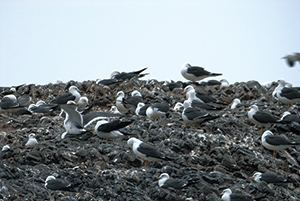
[268,178]
[227,195]
[292,58]
[236,103]
[133,100]
[128,75]
[42,107]
[261,118]
[157,110]
[201,96]
[73,95]
[108,130]
[57,184]
[145,151]
[275,142]
[196,73]
[74,121]
[141,109]
[165,182]
[287,95]
[287,117]
[120,97]
[195,115]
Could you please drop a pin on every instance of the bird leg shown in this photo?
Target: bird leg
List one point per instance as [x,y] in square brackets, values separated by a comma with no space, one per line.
[261,130]
[107,139]
[146,162]
[274,154]
[289,105]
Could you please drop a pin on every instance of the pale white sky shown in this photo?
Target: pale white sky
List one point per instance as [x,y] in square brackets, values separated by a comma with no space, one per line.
[45,41]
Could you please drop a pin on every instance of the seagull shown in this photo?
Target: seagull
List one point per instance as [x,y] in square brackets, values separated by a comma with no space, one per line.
[195,115]
[276,143]
[56,184]
[145,151]
[4,152]
[268,178]
[31,140]
[200,96]
[127,75]
[287,95]
[73,95]
[227,195]
[261,118]
[133,100]
[74,121]
[179,107]
[157,110]
[287,117]
[292,58]
[120,102]
[9,103]
[224,83]
[196,102]
[141,109]
[82,103]
[165,182]
[107,130]
[114,110]
[41,107]
[236,103]
[196,73]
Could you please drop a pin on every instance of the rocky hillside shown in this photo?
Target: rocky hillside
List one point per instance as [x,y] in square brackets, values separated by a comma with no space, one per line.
[219,154]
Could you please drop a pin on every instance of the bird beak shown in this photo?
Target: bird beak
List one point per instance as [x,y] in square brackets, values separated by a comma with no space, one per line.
[283,58]
[183,92]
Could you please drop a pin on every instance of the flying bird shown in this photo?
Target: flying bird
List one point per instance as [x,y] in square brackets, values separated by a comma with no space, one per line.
[292,58]
[196,73]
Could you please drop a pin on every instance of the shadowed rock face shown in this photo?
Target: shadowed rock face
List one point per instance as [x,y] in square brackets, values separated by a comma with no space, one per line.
[219,154]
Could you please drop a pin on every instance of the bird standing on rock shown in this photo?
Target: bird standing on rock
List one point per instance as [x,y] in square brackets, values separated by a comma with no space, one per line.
[196,73]
[227,195]
[165,182]
[145,151]
[268,178]
[261,118]
[276,143]
[287,95]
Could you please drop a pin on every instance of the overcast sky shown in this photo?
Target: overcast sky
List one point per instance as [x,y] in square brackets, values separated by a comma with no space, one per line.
[45,41]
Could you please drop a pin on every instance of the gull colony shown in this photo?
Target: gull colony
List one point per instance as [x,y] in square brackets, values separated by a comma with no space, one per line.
[198,110]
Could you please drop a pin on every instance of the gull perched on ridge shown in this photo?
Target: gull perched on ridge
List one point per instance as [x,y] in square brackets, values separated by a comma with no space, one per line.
[287,95]
[196,73]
